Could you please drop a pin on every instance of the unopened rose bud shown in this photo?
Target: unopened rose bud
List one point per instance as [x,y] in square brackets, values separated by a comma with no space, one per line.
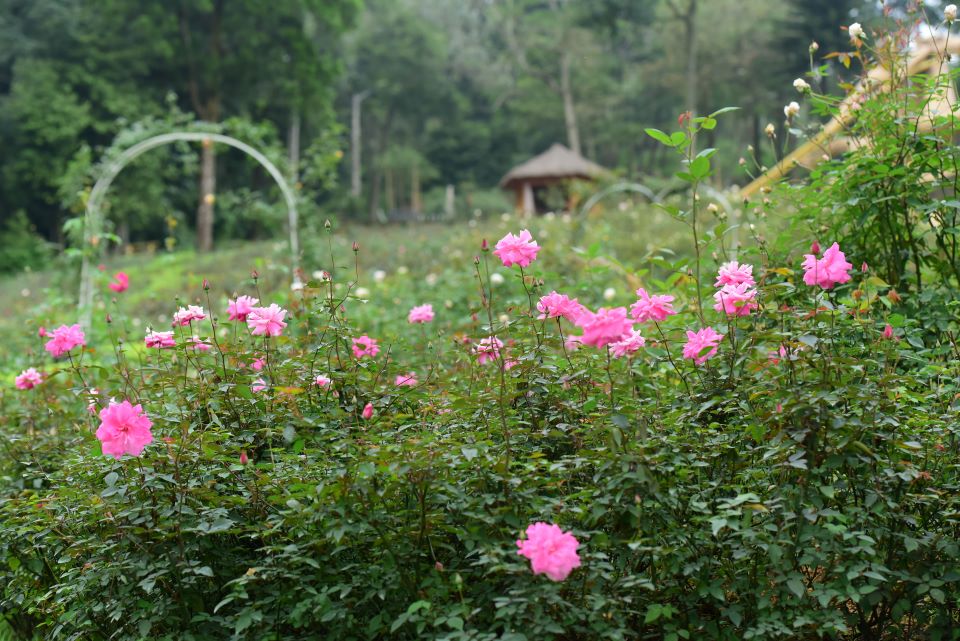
[484,245]
[356,246]
[712,208]
[950,13]
[893,296]
[206,285]
[888,331]
[814,247]
[243,457]
[814,47]
[476,260]
[109,319]
[864,268]
[742,162]
[770,130]
[254,274]
[327,225]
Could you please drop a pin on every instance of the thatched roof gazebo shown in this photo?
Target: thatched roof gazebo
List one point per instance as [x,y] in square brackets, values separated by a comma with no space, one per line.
[555,166]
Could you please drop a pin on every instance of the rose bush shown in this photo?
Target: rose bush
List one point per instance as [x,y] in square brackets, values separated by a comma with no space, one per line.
[780,463]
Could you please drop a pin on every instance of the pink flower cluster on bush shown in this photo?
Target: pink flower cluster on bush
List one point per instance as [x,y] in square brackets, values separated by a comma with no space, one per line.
[829,271]
[64,339]
[28,379]
[551,550]
[124,429]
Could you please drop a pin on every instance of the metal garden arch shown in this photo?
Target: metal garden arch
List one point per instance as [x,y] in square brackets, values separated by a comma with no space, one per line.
[93,215]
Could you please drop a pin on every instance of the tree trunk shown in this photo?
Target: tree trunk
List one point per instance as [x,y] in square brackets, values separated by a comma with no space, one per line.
[690,24]
[356,144]
[293,146]
[569,112]
[208,190]
[416,202]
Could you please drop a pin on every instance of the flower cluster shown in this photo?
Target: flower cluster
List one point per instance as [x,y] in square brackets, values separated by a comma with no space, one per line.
[551,550]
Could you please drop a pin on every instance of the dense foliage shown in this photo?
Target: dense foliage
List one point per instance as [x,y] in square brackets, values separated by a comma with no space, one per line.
[450,93]
[801,482]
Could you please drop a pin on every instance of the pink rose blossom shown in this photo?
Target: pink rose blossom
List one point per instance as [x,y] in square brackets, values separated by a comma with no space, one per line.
[239,309]
[420,314]
[832,269]
[322,381]
[365,346]
[367,412]
[159,339]
[257,364]
[777,355]
[200,344]
[627,345]
[509,364]
[184,316]
[701,345]
[64,339]
[736,300]
[733,273]
[124,429]
[551,550]
[655,308]
[555,305]
[120,282]
[258,385]
[406,380]
[266,321]
[605,326]
[28,379]
[488,349]
[517,250]
[572,343]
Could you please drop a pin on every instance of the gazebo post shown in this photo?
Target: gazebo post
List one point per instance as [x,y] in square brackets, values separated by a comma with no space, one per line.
[527,206]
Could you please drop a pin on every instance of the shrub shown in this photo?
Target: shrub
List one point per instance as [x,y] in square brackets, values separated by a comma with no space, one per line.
[20,246]
[802,482]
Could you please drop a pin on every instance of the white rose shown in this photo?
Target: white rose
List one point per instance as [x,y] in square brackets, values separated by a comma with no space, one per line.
[801,85]
[791,110]
[856,31]
[770,130]
[950,13]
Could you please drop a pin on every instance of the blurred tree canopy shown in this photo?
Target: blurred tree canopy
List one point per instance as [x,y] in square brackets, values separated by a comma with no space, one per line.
[412,95]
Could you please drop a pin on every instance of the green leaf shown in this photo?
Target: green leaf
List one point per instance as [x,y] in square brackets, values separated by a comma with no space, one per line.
[700,167]
[796,586]
[658,135]
[725,110]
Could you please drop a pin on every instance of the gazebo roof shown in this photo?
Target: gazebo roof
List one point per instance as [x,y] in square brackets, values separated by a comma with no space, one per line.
[556,162]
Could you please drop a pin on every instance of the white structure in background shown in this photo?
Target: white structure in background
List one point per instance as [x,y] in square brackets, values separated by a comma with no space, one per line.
[92,227]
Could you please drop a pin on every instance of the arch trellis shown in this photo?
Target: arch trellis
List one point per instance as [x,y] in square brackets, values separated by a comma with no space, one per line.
[93,218]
